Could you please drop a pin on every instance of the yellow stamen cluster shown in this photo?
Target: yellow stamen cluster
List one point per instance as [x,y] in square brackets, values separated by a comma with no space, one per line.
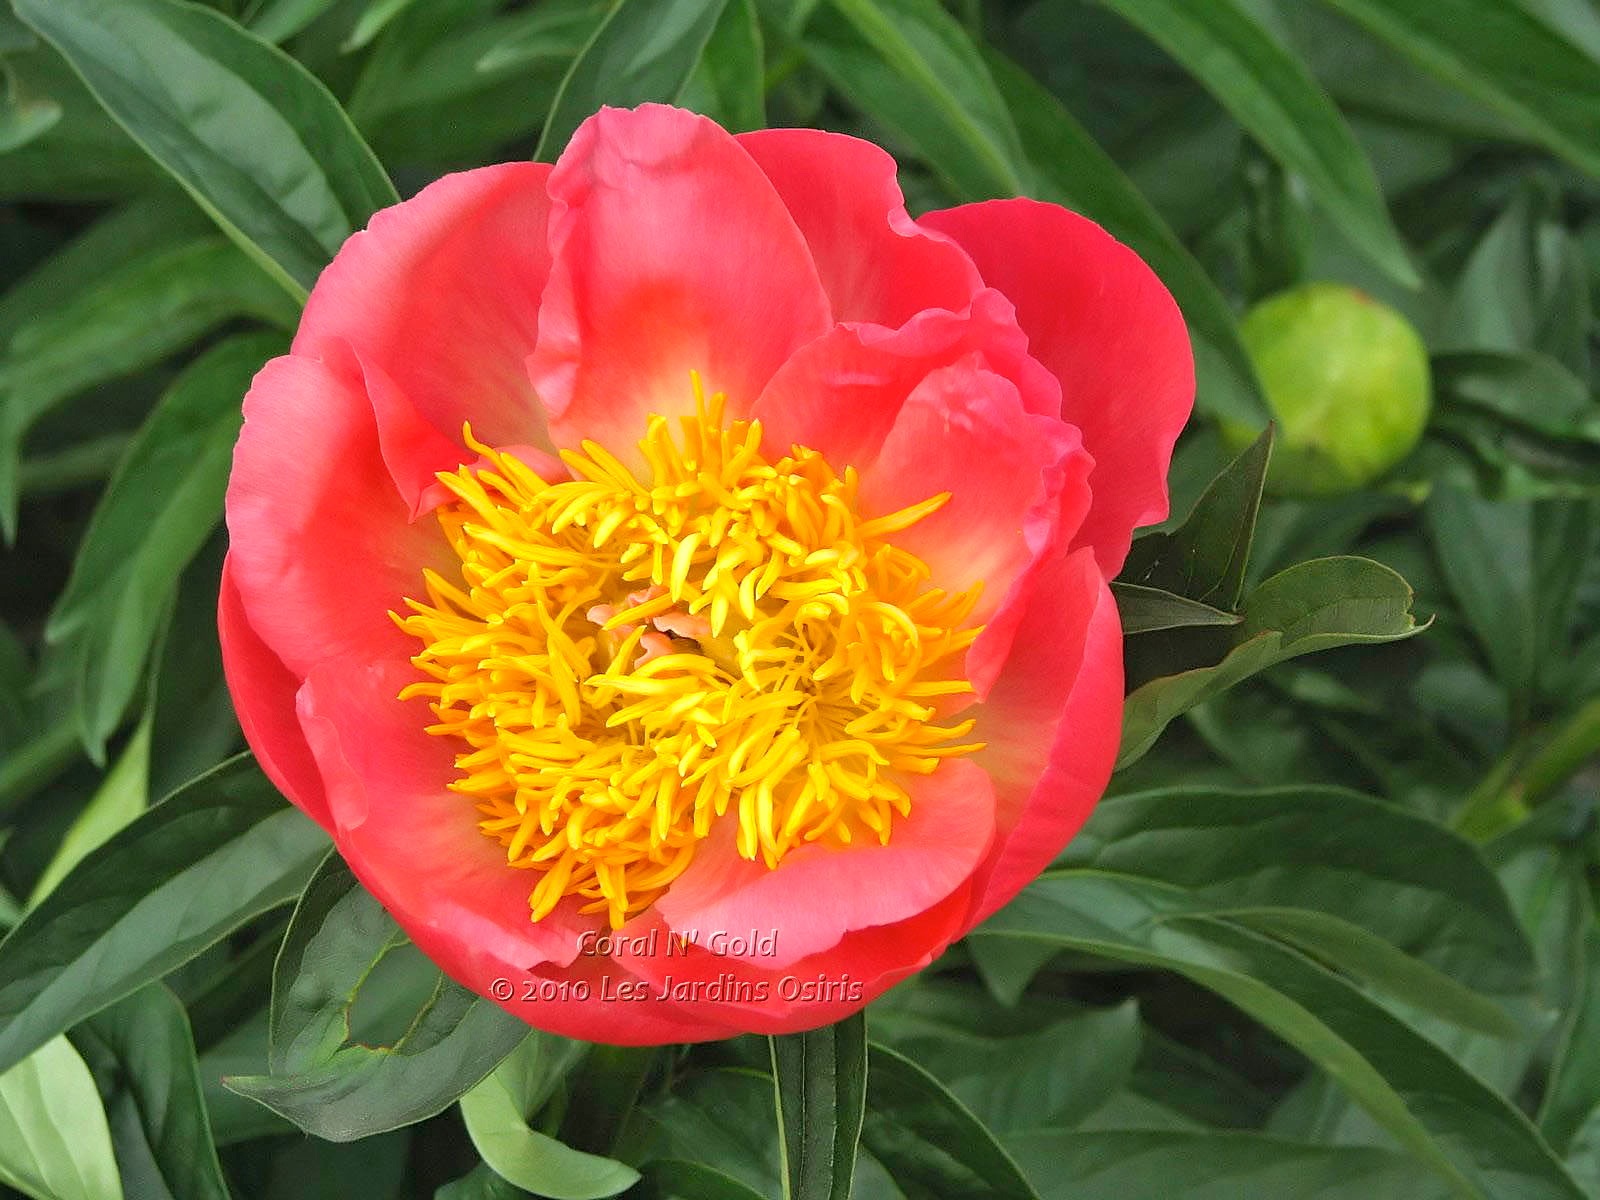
[629,659]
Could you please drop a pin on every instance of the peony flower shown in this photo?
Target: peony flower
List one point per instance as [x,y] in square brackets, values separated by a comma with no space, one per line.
[677,579]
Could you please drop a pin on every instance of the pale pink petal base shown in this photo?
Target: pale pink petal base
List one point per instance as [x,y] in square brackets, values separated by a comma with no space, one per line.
[673,255]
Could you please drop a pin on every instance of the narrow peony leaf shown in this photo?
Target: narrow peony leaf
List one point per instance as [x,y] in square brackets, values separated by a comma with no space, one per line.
[1149,610]
[1205,558]
[1423,889]
[720,1119]
[1528,389]
[1574,1090]
[1486,550]
[54,1141]
[23,117]
[158,1110]
[675,1177]
[280,20]
[84,157]
[123,794]
[1116,1164]
[644,50]
[127,317]
[253,136]
[1070,168]
[1272,95]
[497,1112]
[192,869]
[909,64]
[1021,1066]
[820,1082]
[160,506]
[729,85]
[1466,1132]
[337,936]
[1315,605]
[929,1141]
[373,20]
[1503,55]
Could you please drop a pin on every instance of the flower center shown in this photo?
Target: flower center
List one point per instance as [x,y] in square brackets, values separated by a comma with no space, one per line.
[630,658]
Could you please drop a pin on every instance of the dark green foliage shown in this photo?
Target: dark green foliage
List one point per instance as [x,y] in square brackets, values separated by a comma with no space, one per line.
[1332,934]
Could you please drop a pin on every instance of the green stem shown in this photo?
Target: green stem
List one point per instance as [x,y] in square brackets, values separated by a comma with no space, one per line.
[1532,771]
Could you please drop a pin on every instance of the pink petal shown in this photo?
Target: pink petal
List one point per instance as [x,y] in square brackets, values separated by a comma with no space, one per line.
[818,894]
[672,254]
[441,294]
[322,547]
[1098,317]
[876,263]
[412,842]
[263,699]
[841,393]
[1052,723]
[754,995]
[1017,486]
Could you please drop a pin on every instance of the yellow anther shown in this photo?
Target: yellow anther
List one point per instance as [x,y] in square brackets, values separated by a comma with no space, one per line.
[627,659]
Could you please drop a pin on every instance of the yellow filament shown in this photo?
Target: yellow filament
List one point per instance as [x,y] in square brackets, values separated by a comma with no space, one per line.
[628,659]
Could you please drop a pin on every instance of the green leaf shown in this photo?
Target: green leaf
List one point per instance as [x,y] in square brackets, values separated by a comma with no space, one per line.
[1214,1165]
[1485,549]
[1502,55]
[929,1141]
[54,1142]
[339,1092]
[187,872]
[1529,389]
[644,50]
[456,1039]
[280,20]
[910,65]
[82,157]
[1466,1132]
[669,1177]
[1423,889]
[1149,610]
[1206,557]
[1272,95]
[157,511]
[820,1083]
[719,1118]
[133,315]
[1070,168]
[480,1183]
[22,117]
[374,17]
[337,935]
[1574,1089]
[551,31]
[1390,972]
[1024,1067]
[116,803]
[257,141]
[497,1112]
[158,1101]
[1313,606]
[729,85]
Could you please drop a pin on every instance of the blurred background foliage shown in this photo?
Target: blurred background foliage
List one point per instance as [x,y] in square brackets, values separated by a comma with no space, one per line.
[1332,936]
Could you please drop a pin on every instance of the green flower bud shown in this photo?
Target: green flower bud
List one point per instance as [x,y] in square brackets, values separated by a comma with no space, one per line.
[1347,381]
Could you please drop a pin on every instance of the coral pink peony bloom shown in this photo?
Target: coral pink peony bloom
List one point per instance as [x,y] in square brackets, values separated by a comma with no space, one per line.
[676,578]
